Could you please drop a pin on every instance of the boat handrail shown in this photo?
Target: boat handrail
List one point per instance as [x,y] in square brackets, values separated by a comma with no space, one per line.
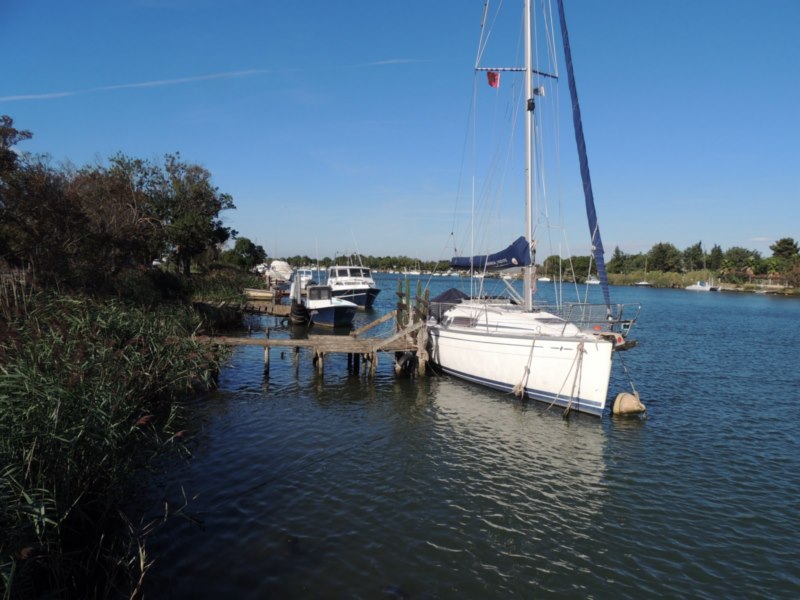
[596,317]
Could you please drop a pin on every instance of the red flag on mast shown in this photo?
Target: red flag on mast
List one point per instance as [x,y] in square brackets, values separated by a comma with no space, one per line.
[494,78]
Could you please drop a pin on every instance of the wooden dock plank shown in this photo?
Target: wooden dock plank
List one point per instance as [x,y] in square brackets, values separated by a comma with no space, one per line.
[322,343]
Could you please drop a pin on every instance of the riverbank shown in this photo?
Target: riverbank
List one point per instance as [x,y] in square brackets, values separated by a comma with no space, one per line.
[91,393]
[657,279]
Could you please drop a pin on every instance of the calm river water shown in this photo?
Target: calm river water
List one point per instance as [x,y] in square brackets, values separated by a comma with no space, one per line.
[336,486]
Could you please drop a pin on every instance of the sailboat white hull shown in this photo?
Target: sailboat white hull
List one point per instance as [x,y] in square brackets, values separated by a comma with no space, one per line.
[510,350]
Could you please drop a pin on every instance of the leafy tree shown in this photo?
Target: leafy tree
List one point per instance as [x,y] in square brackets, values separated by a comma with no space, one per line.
[739,262]
[80,227]
[785,248]
[192,220]
[793,274]
[664,257]
[693,257]
[119,203]
[551,266]
[148,203]
[771,266]
[40,227]
[715,258]
[618,262]
[579,267]
[9,137]
[245,254]
[741,258]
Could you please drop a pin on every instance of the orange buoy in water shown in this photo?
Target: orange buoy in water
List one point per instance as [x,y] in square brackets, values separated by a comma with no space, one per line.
[628,404]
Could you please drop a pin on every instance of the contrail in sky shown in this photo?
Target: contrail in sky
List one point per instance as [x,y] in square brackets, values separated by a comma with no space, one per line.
[180,81]
[143,84]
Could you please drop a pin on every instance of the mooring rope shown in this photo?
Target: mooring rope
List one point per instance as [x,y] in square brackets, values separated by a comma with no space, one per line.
[578,371]
[627,374]
[519,389]
[576,361]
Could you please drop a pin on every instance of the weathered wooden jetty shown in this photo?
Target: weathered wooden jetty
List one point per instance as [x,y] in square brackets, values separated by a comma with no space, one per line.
[409,340]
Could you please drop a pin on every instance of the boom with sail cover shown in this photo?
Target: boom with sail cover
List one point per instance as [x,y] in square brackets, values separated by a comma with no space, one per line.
[518,254]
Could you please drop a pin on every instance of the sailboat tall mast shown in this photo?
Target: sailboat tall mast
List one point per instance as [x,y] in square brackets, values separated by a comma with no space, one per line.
[527,283]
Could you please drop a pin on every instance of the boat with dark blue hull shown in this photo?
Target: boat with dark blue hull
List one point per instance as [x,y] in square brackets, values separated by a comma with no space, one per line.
[318,306]
[353,283]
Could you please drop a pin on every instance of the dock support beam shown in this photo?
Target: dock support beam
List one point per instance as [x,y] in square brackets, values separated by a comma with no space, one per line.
[266,358]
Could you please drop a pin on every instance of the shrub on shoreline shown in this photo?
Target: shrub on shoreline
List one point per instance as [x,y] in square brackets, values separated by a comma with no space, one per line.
[87,397]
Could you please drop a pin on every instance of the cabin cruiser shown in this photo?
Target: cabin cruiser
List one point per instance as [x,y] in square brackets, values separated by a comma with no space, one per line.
[353,283]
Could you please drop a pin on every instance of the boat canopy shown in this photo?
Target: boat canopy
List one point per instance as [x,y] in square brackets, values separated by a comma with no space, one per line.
[518,254]
[451,296]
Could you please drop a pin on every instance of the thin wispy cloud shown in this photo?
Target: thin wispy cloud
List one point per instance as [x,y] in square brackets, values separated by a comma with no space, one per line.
[394,61]
[141,84]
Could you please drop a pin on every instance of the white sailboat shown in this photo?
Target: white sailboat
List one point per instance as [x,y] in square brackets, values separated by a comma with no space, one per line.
[559,356]
[644,282]
[705,285]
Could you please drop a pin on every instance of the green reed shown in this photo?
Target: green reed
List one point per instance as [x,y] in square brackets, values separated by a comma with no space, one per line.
[223,283]
[87,397]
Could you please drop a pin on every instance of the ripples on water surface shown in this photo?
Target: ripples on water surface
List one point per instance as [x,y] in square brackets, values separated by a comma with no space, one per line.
[334,486]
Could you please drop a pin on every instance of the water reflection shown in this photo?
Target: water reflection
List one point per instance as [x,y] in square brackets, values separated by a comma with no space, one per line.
[332,482]
[341,485]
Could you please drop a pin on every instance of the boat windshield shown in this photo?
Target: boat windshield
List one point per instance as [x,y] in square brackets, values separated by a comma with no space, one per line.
[319,293]
[350,272]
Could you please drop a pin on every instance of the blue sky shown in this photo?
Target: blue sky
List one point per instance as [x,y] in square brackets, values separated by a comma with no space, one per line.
[339,126]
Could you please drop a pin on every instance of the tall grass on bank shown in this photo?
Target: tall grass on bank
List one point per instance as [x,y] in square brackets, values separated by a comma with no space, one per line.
[224,283]
[87,391]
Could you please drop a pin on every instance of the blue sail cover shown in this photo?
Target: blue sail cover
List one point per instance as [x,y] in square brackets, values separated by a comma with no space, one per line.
[517,254]
[591,213]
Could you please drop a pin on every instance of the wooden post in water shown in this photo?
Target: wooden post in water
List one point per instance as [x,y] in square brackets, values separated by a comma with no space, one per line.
[400,322]
[266,358]
[407,322]
[422,335]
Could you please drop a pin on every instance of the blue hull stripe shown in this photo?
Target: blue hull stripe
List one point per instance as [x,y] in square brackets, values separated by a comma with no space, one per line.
[584,406]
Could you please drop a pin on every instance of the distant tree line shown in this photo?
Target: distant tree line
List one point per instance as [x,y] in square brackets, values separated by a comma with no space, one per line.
[78,226]
[382,263]
[735,265]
